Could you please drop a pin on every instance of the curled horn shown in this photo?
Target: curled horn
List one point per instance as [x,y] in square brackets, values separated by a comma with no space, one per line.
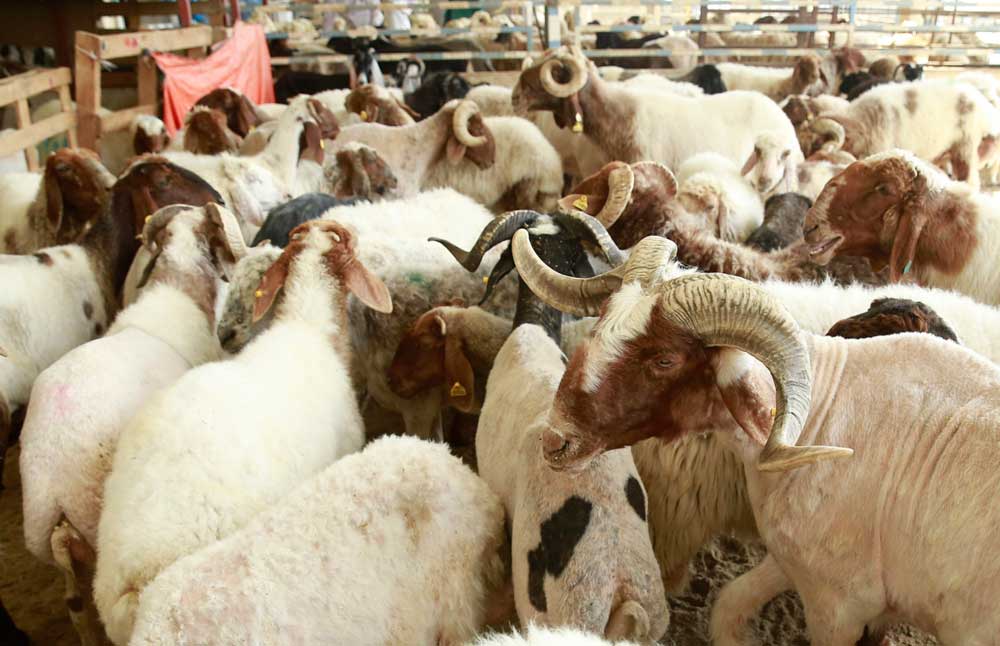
[464,111]
[825,126]
[726,311]
[593,231]
[577,75]
[497,231]
[156,222]
[584,296]
[230,229]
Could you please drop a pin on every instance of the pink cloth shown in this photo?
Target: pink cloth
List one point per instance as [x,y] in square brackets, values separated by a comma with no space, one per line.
[242,62]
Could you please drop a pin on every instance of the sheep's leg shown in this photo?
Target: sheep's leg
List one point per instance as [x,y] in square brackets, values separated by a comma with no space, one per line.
[831,621]
[77,560]
[966,163]
[742,599]
[9,632]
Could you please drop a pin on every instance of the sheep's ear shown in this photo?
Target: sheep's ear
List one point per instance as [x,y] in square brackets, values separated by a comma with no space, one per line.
[246,116]
[408,110]
[747,390]
[751,161]
[368,287]
[722,217]
[53,201]
[459,378]
[454,150]
[270,284]
[904,247]
[147,271]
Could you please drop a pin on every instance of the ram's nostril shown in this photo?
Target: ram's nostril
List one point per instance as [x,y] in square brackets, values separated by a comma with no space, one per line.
[554,444]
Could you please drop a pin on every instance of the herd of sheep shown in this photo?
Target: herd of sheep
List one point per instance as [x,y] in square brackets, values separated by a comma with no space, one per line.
[332,373]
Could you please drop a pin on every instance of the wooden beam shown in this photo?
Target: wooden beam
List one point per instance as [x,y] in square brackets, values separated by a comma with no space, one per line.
[162,40]
[234,12]
[184,12]
[24,123]
[88,88]
[148,81]
[66,103]
[123,118]
[26,138]
[32,83]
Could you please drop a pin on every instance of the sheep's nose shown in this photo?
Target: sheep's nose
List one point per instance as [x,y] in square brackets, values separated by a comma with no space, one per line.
[553,445]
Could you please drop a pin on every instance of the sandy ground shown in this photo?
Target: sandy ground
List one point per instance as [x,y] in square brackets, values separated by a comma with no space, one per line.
[33,591]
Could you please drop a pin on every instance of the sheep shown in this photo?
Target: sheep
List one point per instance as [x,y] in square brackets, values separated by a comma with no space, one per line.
[657,83]
[900,211]
[711,185]
[527,172]
[55,207]
[252,185]
[435,90]
[619,119]
[708,78]
[300,365]
[580,548]
[637,201]
[822,387]
[242,114]
[145,134]
[206,133]
[456,131]
[914,116]
[71,426]
[285,217]
[684,52]
[418,273]
[806,77]
[438,527]
[374,104]
[784,215]
[56,299]
[542,636]
[893,316]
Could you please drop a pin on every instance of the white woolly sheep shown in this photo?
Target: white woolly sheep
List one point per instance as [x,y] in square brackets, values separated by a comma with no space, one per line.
[349,557]
[777,83]
[145,134]
[80,403]
[710,185]
[620,119]
[204,456]
[542,636]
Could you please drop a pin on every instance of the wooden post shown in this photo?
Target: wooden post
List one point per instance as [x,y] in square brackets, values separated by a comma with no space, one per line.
[66,103]
[184,12]
[23,121]
[88,88]
[234,11]
[146,71]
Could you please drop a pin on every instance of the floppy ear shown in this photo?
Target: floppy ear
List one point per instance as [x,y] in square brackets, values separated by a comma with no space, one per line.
[246,116]
[912,218]
[147,271]
[751,161]
[53,201]
[459,379]
[368,287]
[408,110]
[270,284]
[747,390]
[722,219]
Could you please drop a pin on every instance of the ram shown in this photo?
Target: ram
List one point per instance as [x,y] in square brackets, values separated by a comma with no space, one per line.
[716,343]
[777,83]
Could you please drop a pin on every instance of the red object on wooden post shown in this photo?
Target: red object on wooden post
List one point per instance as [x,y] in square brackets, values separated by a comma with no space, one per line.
[184,12]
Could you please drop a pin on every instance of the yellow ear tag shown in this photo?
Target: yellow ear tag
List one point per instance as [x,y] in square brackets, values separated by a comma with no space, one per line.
[364,115]
[774,412]
[258,294]
[322,145]
[578,126]
[148,218]
[581,203]
[486,280]
[457,390]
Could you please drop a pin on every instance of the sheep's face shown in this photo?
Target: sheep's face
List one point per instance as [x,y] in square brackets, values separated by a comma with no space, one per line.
[637,376]
[206,133]
[359,171]
[236,327]
[76,191]
[549,84]
[808,75]
[151,183]
[768,165]
[418,364]
[241,113]
[150,138]
[858,211]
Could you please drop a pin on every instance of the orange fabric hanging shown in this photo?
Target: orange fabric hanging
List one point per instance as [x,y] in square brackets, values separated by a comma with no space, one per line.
[242,62]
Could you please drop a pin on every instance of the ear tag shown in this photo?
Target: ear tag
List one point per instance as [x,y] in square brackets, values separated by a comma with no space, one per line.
[322,145]
[578,126]
[774,412]
[581,203]
[258,294]
[486,280]
[457,390]
[252,128]
[364,115]
[148,218]
[908,267]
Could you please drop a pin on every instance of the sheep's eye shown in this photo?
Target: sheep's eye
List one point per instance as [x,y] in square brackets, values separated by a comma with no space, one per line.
[663,362]
[882,189]
[785,154]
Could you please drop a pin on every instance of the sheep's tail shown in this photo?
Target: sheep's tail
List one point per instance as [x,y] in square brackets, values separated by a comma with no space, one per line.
[628,621]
